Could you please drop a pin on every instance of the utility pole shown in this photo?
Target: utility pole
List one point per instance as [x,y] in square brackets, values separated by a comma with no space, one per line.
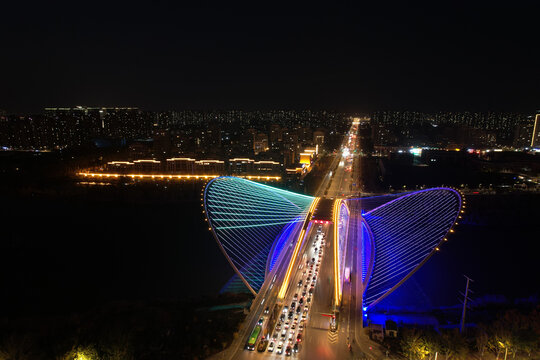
[465,298]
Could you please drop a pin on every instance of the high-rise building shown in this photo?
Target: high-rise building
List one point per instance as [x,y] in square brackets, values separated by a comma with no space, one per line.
[260,143]
[241,166]
[318,137]
[181,165]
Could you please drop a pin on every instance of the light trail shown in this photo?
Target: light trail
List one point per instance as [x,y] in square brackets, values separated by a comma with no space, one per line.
[337,280]
[297,247]
[171,176]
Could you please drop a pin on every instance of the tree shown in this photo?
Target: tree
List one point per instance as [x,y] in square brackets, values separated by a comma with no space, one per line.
[413,345]
[20,347]
[481,339]
[454,345]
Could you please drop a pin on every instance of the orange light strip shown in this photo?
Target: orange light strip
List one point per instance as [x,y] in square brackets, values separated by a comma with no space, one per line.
[285,284]
[534,129]
[337,280]
[170,176]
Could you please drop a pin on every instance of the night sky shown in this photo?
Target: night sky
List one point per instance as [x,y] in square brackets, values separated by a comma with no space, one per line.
[351,57]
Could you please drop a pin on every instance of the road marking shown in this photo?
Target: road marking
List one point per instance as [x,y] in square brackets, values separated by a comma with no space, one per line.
[333,337]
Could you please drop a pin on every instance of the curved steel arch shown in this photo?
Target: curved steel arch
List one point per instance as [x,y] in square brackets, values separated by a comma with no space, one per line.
[245,218]
[406,232]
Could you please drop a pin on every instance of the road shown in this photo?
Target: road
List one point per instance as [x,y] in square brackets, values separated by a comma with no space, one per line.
[322,343]
[318,342]
[284,331]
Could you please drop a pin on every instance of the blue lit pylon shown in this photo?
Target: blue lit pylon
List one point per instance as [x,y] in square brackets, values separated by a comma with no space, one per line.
[403,234]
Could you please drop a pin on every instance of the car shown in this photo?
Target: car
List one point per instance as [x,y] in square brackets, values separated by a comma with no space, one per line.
[304,314]
[282,317]
[311,290]
[288,351]
[308,299]
[267,310]
[285,309]
[290,315]
[300,282]
[293,326]
[260,322]
[293,304]
[301,326]
[262,345]
[278,327]
[303,294]
[301,301]
[313,260]
[306,308]
[280,348]
[291,334]
[290,343]
[299,338]
[295,348]
[271,347]
[314,278]
[295,297]
[315,249]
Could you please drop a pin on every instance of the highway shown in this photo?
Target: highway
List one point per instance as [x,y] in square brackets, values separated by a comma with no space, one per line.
[281,326]
[285,331]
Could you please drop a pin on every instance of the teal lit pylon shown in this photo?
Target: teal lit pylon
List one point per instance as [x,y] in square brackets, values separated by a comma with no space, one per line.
[246,217]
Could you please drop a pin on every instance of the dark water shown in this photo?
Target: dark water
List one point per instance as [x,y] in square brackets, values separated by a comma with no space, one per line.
[61,253]
[71,252]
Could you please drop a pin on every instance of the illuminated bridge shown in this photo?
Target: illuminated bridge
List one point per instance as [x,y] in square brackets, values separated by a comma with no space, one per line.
[275,241]
[252,222]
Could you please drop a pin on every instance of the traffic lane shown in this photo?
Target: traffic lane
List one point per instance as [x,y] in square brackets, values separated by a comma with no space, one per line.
[267,292]
[307,252]
[318,345]
[310,252]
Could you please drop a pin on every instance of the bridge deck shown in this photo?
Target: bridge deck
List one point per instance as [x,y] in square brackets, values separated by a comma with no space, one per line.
[324,210]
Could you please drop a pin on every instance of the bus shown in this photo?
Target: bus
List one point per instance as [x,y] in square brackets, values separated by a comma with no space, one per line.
[253,338]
